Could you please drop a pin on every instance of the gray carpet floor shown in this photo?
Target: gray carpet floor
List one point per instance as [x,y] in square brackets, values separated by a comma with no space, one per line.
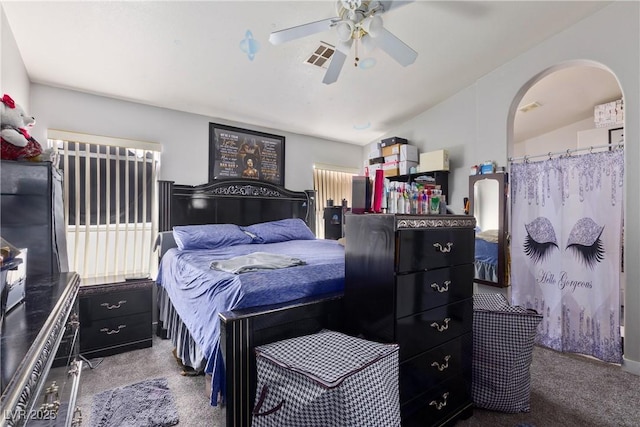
[158,361]
[567,390]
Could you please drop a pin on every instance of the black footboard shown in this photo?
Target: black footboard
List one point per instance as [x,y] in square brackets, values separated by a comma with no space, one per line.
[243,330]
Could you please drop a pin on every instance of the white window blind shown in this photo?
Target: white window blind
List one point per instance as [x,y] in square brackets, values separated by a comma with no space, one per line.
[330,182]
[110,203]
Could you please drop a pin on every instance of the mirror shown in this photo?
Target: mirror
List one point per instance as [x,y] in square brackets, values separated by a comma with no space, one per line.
[487,198]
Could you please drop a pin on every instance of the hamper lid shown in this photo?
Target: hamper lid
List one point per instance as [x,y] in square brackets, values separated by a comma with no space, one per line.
[327,357]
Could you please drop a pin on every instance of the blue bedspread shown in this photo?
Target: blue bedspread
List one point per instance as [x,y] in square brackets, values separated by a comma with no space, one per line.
[486,252]
[199,293]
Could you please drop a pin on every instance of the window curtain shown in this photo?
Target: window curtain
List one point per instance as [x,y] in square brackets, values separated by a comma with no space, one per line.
[330,184]
[567,217]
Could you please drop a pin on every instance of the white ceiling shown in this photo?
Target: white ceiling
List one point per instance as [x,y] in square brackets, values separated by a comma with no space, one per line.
[187,56]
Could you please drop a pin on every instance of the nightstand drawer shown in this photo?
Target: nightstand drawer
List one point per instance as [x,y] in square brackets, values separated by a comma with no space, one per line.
[428,249]
[114,304]
[116,331]
[417,292]
[428,329]
[426,370]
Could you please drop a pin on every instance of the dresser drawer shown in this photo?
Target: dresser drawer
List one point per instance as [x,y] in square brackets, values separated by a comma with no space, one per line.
[426,370]
[423,331]
[434,248]
[112,332]
[438,404]
[113,304]
[416,292]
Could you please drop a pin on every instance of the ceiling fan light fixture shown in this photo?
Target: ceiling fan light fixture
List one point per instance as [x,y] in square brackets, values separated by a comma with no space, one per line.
[344,29]
[372,25]
[368,45]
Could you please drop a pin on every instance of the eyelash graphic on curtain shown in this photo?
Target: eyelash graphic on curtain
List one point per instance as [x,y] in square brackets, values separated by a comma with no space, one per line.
[584,240]
[540,240]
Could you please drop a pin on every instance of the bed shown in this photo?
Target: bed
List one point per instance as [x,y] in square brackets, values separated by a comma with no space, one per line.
[215,317]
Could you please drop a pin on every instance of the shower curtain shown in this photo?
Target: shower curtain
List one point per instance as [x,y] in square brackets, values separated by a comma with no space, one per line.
[566,226]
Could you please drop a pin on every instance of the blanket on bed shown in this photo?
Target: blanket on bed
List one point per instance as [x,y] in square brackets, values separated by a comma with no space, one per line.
[256,261]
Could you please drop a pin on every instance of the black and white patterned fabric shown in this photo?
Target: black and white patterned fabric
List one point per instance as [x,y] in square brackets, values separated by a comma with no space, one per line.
[503,339]
[327,379]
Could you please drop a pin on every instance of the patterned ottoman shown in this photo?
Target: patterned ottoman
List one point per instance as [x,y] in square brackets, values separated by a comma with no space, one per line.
[503,338]
[327,379]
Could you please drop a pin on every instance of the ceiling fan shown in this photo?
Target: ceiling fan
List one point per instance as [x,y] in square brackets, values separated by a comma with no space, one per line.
[358,21]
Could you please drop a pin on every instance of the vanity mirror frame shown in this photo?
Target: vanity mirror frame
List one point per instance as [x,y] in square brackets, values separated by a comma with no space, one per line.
[503,184]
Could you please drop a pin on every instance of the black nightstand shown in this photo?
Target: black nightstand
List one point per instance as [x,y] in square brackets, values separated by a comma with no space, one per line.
[115,316]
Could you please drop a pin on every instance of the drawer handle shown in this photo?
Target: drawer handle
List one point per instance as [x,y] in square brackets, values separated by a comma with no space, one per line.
[441,328]
[440,405]
[113,331]
[113,307]
[444,249]
[77,418]
[444,366]
[51,402]
[445,288]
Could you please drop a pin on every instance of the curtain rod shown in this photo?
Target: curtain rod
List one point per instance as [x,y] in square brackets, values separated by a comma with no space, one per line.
[567,153]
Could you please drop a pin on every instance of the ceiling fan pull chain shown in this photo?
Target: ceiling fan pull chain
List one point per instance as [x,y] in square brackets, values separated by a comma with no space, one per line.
[357,58]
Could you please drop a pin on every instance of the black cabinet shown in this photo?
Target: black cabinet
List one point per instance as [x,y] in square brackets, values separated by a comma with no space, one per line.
[115,317]
[409,280]
[33,214]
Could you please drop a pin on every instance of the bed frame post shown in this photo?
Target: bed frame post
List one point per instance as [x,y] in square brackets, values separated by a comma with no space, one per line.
[311,211]
[165,193]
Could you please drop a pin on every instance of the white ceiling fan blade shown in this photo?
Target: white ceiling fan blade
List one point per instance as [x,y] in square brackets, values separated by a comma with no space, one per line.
[337,61]
[393,4]
[395,48]
[282,36]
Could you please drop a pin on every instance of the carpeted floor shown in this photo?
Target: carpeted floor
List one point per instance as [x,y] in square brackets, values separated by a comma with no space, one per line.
[135,366]
[567,390]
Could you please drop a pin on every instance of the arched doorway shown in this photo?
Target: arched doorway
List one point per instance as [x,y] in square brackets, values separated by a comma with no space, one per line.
[551,115]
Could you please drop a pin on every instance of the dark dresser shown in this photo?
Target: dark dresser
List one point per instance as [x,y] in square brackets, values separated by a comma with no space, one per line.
[409,280]
[115,316]
[40,369]
[33,214]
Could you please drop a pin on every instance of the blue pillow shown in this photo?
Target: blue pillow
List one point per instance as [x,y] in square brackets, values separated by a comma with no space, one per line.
[209,236]
[280,231]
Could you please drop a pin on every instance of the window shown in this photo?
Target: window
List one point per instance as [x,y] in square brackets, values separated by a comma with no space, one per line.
[109,202]
[330,182]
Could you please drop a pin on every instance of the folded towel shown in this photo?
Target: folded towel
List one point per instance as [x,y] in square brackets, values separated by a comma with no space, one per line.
[256,261]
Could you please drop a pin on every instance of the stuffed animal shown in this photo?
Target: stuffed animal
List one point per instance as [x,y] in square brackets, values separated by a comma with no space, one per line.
[17,144]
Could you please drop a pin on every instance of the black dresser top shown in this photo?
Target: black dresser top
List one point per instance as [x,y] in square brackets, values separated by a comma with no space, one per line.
[45,296]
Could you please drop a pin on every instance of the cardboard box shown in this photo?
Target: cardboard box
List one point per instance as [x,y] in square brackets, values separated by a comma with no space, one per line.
[405,166]
[434,161]
[392,141]
[409,153]
[391,158]
[376,152]
[392,172]
[375,160]
[404,151]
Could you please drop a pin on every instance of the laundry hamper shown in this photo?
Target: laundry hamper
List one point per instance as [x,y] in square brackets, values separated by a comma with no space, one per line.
[503,339]
[327,379]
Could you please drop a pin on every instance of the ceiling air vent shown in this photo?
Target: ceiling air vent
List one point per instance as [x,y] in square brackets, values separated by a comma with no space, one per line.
[530,106]
[321,55]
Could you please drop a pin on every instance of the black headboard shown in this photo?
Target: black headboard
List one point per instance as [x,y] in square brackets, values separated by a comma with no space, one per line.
[232,201]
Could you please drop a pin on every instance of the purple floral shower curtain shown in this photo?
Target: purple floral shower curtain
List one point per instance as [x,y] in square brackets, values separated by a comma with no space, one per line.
[566,229]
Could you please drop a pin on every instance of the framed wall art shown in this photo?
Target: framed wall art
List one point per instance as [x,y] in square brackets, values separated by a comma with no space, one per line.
[243,153]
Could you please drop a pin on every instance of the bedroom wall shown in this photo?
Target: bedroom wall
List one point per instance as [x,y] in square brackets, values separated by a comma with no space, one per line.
[184,136]
[476,124]
[13,75]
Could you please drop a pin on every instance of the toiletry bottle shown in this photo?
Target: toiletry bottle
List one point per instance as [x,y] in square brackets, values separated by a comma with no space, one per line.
[435,202]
